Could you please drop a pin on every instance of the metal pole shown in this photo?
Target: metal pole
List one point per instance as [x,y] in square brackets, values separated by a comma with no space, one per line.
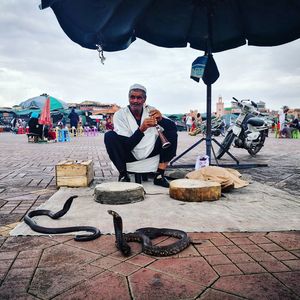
[208,122]
[208,89]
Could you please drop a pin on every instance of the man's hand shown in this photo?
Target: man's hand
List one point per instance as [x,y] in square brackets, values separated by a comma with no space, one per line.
[147,123]
[154,113]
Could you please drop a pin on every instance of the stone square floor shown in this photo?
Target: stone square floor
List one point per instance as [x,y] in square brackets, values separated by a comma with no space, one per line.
[222,265]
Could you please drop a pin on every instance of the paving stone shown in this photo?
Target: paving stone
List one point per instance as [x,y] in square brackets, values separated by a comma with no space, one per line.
[293,264]
[287,240]
[188,252]
[295,252]
[22,243]
[18,274]
[230,249]
[204,244]
[150,285]
[17,292]
[141,260]
[104,245]
[222,241]
[254,286]
[64,254]
[208,250]
[220,259]
[241,241]
[237,234]
[239,257]
[251,248]
[211,294]
[290,279]
[106,262]
[270,247]
[25,262]
[105,286]
[283,255]
[8,255]
[5,265]
[274,266]
[125,268]
[9,218]
[229,269]
[205,235]
[262,256]
[251,268]
[187,268]
[30,253]
[51,281]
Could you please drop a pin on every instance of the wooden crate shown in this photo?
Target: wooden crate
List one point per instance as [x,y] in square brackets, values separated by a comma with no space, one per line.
[74,173]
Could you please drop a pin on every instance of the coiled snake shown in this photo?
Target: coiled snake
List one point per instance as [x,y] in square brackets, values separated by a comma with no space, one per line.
[144,236]
[44,212]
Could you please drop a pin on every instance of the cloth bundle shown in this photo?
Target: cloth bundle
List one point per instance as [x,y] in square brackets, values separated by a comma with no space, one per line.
[228,178]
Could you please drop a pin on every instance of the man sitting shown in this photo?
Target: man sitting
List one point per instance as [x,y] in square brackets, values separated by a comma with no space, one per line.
[135,136]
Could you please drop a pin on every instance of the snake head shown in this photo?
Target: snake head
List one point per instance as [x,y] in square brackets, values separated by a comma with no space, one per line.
[113,213]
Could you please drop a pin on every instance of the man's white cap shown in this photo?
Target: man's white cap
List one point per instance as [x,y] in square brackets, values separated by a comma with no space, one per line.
[137,86]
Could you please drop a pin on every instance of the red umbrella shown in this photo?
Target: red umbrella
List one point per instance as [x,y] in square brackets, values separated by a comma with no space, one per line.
[45,118]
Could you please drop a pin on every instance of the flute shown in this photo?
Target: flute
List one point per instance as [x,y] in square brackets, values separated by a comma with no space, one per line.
[164,141]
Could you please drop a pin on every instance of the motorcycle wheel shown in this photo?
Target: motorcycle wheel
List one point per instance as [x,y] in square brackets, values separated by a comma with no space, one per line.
[255,149]
[226,144]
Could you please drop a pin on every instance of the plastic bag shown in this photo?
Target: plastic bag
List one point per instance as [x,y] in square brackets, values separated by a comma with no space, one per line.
[201,162]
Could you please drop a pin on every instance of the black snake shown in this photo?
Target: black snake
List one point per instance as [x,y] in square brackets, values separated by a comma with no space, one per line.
[43,212]
[144,236]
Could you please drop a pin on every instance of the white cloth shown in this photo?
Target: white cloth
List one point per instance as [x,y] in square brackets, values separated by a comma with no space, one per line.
[125,124]
[147,165]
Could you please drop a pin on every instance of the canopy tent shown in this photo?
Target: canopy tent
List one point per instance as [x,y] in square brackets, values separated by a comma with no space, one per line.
[39,102]
[26,112]
[208,25]
[115,24]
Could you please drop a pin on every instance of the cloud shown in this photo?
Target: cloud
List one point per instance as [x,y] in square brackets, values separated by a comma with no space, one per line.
[36,56]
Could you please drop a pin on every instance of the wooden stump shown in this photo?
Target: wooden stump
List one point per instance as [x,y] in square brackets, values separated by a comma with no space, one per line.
[194,190]
[119,192]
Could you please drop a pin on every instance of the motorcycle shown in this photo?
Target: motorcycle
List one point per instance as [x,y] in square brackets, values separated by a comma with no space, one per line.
[248,131]
[217,128]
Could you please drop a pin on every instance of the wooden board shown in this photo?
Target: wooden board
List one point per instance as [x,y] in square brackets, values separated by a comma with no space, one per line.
[194,190]
[74,173]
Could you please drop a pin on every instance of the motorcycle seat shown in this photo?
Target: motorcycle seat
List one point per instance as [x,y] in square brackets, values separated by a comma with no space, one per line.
[256,121]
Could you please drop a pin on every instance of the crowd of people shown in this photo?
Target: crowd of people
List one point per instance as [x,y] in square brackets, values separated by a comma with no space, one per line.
[73,123]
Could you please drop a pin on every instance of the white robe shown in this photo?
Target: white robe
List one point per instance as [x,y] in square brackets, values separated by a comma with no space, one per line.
[125,124]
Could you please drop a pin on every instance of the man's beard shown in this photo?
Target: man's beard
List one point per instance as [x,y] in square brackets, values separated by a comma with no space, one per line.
[137,107]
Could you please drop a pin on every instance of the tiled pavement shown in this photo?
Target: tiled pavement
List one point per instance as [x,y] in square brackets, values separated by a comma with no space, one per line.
[263,265]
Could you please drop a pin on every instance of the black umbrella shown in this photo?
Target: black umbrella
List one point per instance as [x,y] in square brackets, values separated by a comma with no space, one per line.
[208,25]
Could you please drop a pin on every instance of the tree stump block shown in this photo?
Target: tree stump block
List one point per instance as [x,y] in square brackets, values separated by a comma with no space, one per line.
[194,190]
[119,193]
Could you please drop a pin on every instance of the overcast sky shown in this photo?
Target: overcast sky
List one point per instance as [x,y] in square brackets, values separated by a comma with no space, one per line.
[37,57]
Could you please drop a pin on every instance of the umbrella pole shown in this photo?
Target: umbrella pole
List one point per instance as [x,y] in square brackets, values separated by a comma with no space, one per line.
[208,122]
